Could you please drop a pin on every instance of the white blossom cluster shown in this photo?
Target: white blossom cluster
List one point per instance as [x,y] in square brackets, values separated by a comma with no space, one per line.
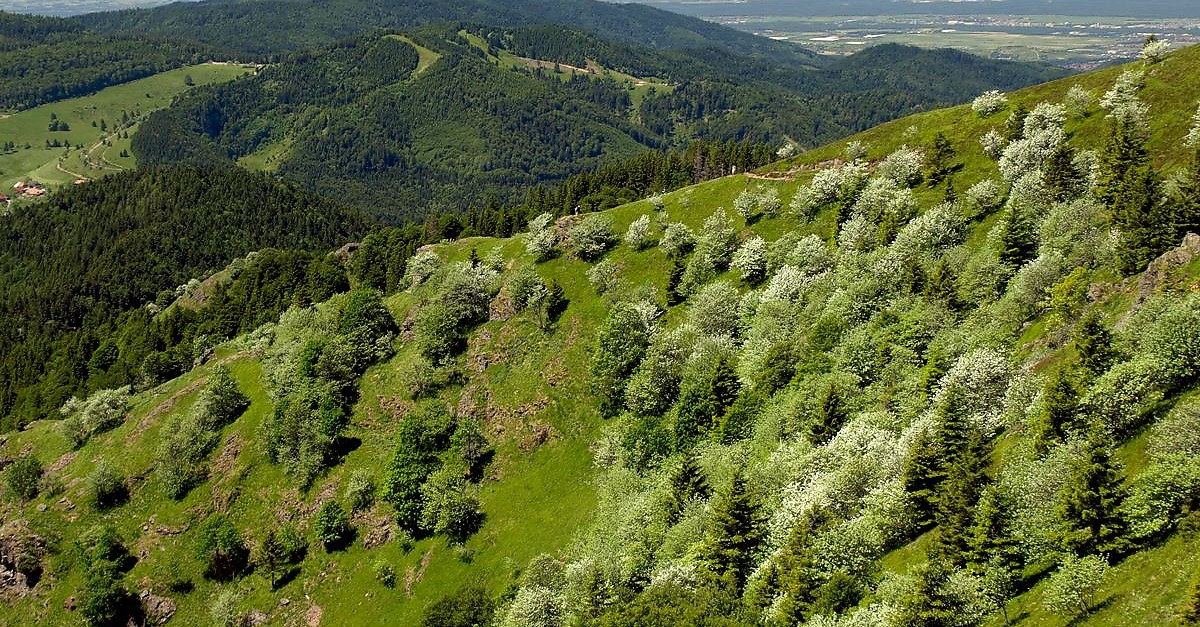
[541,239]
[1122,102]
[989,102]
[903,166]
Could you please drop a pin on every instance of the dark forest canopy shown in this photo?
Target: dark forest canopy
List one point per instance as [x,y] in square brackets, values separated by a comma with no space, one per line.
[72,265]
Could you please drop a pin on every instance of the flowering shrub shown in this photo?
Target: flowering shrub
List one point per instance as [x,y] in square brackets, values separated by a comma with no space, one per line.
[715,310]
[989,102]
[1122,397]
[903,166]
[591,237]
[541,239]
[677,239]
[993,143]
[751,259]
[421,266]
[603,276]
[1122,100]
[984,196]
[638,234]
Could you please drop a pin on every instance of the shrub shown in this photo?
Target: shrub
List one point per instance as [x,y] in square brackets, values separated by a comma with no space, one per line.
[332,527]
[1079,100]
[469,605]
[589,239]
[302,433]
[526,288]
[715,310]
[604,276]
[717,239]
[903,166]
[106,487]
[450,507]
[436,333]
[223,612]
[699,270]
[421,266]
[989,102]
[1173,340]
[385,574]
[638,234]
[751,260]
[101,411]
[360,491]
[993,143]
[541,239]
[746,204]
[622,341]
[1178,433]
[104,600]
[220,548]
[984,196]
[1071,589]
[677,240]
[23,477]
[1123,397]
[222,401]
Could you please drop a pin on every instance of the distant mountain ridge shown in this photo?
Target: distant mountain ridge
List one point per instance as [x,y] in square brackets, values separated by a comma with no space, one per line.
[272,26]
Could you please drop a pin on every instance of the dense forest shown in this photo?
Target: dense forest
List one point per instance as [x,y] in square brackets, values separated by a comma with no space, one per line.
[274,27]
[43,60]
[74,264]
[360,122]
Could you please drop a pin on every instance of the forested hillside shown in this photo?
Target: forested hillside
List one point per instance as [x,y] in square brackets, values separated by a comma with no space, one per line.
[80,270]
[271,27]
[44,59]
[366,123]
[941,373]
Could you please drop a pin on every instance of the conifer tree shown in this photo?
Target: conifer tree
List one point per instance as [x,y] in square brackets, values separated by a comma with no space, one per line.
[993,542]
[272,556]
[723,387]
[957,498]
[1131,189]
[1014,126]
[1090,501]
[687,485]
[921,476]
[799,576]
[1094,343]
[941,159]
[1018,238]
[941,285]
[831,415]
[928,604]
[736,528]
[1060,175]
[674,297]
[1187,199]
[1059,412]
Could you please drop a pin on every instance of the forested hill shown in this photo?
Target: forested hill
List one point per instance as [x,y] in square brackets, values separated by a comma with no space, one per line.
[47,59]
[478,115]
[266,27]
[945,372]
[71,265]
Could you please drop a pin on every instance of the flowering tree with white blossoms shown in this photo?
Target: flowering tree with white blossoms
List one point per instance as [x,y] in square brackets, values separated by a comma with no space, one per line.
[989,102]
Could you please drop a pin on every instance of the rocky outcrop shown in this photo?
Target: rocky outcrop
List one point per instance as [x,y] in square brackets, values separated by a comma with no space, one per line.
[1160,269]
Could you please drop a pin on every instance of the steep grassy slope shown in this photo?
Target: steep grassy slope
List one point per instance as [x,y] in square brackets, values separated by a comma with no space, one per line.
[561,483]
